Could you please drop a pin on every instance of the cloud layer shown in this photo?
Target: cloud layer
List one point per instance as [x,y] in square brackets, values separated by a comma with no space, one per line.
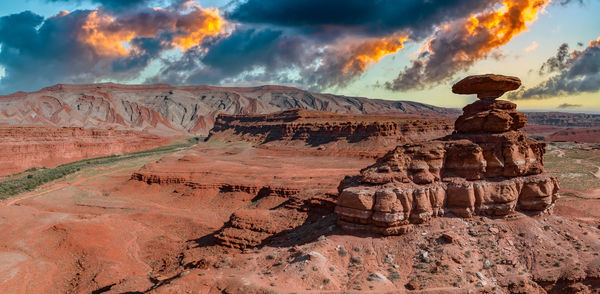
[577,72]
[313,44]
[456,46]
[357,17]
[90,45]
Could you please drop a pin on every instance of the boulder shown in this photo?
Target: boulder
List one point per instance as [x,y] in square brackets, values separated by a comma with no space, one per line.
[488,86]
[357,198]
[253,227]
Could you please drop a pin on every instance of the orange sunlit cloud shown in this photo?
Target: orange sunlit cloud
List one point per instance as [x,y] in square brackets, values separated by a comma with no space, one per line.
[502,24]
[109,36]
[197,25]
[457,45]
[350,57]
[371,52]
[105,42]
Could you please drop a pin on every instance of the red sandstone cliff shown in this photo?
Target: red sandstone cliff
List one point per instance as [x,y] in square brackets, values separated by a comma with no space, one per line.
[328,133]
[22,148]
[316,127]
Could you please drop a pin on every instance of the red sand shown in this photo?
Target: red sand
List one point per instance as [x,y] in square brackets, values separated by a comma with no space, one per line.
[109,232]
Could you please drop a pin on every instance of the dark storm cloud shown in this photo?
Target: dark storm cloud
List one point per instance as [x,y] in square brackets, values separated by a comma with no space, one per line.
[146,50]
[371,17]
[86,46]
[241,53]
[245,49]
[579,74]
[18,30]
[327,43]
[32,57]
[559,62]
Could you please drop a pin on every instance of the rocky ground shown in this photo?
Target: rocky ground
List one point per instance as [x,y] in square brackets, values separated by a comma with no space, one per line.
[271,203]
[69,236]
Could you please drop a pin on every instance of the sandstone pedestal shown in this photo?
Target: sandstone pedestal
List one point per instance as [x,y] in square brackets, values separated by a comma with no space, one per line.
[486,167]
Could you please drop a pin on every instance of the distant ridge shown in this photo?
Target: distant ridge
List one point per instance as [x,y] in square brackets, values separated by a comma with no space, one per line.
[175,110]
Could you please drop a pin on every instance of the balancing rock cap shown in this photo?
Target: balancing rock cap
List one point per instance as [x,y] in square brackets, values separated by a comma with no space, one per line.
[487,86]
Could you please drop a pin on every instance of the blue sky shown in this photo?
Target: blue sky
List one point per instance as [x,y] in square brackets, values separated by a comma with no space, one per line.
[359,48]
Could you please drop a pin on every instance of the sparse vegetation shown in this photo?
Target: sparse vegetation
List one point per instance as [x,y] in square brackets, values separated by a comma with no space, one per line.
[394,276]
[487,264]
[419,265]
[355,260]
[37,177]
[575,167]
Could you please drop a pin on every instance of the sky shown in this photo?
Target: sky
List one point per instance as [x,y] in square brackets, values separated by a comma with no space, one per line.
[387,49]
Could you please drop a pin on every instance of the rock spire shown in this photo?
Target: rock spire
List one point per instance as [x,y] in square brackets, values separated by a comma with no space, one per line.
[486,167]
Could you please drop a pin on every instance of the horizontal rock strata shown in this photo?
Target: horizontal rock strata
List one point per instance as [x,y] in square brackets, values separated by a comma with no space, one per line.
[22,148]
[221,187]
[323,127]
[486,167]
[253,227]
[391,210]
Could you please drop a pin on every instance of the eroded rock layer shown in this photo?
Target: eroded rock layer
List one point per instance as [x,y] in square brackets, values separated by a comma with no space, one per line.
[391,209]
[252,227]
[22,148]
[330,133]
[486,167]
[249,228]
[261,193]
[322,127]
